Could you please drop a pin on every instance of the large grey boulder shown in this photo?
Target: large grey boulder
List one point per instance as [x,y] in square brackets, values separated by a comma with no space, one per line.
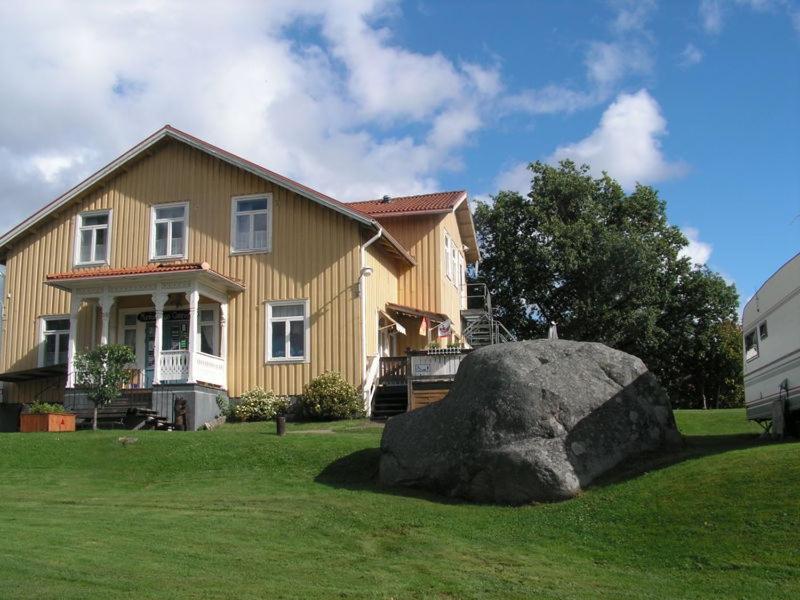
[530,421]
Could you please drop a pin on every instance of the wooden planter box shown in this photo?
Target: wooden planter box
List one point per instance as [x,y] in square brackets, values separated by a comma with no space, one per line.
[47,422]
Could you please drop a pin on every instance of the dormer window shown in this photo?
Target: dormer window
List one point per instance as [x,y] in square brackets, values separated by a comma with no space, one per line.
[168,231]
[92,238]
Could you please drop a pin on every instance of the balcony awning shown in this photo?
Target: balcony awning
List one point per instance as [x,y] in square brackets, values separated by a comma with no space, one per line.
[392,323]
[79,279]
[410,311]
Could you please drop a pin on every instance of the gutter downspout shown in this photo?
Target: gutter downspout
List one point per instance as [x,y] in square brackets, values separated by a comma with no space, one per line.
[362,292]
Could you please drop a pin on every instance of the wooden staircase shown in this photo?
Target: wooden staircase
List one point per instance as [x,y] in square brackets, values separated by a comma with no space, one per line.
[389,400]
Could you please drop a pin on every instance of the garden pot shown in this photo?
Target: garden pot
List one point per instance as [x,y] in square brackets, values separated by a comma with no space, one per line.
[47,422]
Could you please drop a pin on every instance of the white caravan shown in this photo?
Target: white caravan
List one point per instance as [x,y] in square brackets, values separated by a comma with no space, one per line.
[771,328]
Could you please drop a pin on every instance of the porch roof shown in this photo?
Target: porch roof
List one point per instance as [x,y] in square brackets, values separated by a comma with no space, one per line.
[38,373]
[416,312]
[71,280]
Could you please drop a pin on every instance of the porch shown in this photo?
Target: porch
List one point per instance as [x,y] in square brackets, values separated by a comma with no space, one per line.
[409,382]
[173,316]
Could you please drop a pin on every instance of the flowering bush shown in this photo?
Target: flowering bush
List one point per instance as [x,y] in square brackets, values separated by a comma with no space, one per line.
[259,404]
[330,396]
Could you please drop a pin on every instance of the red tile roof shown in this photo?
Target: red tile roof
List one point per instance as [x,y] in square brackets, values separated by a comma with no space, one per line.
[419,204]
[149,269]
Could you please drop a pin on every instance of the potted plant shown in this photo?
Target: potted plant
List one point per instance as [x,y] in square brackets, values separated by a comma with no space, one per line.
[42,416]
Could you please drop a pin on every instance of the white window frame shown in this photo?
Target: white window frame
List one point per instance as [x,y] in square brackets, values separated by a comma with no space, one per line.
[43,332]
[153,222]
[79,227]
[269,304]
[234,202]
[448,259]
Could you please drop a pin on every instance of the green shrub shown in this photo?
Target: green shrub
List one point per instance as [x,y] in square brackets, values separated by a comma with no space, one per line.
[42,408]
[259,404]
[330,396]
[224,405]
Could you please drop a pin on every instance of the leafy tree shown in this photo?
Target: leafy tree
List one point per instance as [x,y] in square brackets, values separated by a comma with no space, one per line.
[606,266]
[102,372]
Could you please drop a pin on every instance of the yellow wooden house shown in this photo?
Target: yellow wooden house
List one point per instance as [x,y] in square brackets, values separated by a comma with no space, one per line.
[223,275]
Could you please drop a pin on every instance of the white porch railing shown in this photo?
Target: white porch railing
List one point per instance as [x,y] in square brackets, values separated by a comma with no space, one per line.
[207,368]
[174,365]
[436,364]
[210,369]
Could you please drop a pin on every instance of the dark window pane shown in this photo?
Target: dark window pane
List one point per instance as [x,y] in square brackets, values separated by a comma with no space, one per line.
[296,338]
[57,325]
[174,212]
[161,239]
[207,339]
[245,205]
[279,339]
[63,344]
[50,350]
[92,220]
[287,310]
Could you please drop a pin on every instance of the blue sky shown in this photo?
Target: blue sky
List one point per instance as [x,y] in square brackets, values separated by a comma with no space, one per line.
[700,99]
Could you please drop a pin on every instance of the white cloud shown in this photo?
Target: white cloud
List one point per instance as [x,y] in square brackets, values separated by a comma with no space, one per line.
[331,108]
[626,143]
[607,63]
[691,55]
[550,99]
[713,12]
[698,252]
[711,15]
[516,179]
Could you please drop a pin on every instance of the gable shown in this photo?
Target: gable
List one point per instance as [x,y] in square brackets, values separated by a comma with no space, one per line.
[145,150]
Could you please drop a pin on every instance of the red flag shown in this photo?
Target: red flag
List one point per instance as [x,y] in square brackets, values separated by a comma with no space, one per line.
[423,326]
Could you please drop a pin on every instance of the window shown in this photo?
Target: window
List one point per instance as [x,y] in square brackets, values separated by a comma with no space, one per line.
[762,330]
[207,330]
[448,256]
[250,223]
[287,331]
[129,331]
[168,233]
[750,346]
[92,238]
[55,341]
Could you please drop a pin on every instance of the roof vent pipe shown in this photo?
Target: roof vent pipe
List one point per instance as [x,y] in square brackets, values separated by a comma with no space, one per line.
[386,199]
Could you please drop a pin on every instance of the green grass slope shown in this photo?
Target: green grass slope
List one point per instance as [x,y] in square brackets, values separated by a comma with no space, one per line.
[241,513]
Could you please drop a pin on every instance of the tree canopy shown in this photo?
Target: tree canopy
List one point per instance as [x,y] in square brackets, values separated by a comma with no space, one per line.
[607,266]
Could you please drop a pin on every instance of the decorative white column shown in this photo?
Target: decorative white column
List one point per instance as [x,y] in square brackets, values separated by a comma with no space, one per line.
[223,340]
[159,300]
[74,307]
[106,302]
[194,299]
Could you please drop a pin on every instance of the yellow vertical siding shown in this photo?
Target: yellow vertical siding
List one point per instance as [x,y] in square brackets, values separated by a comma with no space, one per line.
[381,287]
[426,286]
[315,255]
[450,299]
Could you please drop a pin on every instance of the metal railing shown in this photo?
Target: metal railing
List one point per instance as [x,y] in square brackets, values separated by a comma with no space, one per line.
[478,297]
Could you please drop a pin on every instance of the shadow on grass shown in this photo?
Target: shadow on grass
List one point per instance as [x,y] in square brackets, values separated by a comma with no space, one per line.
[359,470]
[694,446]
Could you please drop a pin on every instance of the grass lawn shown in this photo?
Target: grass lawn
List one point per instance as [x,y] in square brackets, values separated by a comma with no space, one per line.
[241,513]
